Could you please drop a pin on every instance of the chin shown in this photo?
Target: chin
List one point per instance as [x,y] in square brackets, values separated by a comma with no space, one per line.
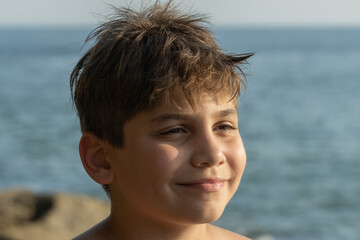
[212,218]
[209,218]
[205,215]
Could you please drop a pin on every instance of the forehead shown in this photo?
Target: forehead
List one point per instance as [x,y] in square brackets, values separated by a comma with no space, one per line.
[205,102]
[182,100]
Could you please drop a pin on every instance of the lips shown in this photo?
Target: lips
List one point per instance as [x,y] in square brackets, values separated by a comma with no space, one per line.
[205,185]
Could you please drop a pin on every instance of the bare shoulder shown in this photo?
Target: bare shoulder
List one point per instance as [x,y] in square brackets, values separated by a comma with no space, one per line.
[85,236]
[91,234]
[220,233]
[95,233]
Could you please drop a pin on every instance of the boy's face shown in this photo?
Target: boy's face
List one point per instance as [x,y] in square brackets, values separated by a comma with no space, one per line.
[178,165]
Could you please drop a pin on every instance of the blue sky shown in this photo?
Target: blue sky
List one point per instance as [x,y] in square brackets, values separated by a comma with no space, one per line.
[223,12]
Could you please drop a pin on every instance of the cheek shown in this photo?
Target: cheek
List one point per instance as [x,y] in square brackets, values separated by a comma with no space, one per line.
[156,162]
[164,160]
[237,162]
[237,158]
[159,164]
[242,159]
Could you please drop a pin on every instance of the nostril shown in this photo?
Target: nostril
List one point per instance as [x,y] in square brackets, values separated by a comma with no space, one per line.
[208,160]
[200,164]
[221,158]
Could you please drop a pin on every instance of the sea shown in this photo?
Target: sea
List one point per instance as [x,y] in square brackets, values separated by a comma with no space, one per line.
[299,120]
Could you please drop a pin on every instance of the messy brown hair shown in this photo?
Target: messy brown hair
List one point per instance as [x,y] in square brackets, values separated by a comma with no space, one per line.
[141,58]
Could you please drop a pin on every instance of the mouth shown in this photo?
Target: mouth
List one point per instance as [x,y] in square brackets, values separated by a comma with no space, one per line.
[205,185]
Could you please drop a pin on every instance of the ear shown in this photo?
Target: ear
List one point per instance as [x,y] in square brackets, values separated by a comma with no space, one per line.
[93,159]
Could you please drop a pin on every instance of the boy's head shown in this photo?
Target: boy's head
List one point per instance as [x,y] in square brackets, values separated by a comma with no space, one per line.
[156,98]
[139,60]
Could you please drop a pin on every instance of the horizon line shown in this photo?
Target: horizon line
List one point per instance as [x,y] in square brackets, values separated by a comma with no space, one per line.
[221,25]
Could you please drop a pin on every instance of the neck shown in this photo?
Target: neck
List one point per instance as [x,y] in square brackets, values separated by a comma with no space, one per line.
[125,224]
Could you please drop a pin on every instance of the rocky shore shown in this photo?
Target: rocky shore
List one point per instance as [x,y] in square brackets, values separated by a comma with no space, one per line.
[25,215]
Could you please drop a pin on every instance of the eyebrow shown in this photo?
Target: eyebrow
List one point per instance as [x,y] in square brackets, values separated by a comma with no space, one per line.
[226,112]
[170,116]
[184,117]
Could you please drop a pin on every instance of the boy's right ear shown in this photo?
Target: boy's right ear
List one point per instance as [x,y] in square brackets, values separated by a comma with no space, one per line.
[93,158]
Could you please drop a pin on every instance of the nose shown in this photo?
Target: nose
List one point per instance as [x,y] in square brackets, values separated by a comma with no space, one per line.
[207,152]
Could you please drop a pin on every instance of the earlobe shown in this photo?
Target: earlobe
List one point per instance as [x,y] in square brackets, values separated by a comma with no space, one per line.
[93,159]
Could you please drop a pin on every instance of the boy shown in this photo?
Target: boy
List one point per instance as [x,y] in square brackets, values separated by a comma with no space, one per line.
[157,102]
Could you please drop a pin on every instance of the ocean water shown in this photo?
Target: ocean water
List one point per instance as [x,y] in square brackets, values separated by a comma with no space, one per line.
[299,119]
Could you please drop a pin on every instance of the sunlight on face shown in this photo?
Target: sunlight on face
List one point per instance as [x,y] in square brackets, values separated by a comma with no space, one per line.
[178,164]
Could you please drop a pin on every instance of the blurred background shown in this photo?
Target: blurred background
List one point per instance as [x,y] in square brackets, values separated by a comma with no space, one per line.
[299,117]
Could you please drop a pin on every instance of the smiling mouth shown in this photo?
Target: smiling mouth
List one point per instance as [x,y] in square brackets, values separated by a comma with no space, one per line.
[206,185]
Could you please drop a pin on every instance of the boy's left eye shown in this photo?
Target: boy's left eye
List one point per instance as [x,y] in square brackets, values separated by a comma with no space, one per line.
[225,127]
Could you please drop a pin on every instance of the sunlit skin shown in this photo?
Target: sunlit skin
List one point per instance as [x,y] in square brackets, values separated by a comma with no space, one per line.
[178,169]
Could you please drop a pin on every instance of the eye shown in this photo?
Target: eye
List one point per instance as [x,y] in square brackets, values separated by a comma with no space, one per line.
[225,127]
[173,131]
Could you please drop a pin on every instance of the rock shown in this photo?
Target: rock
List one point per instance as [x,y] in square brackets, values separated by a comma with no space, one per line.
[25,215]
